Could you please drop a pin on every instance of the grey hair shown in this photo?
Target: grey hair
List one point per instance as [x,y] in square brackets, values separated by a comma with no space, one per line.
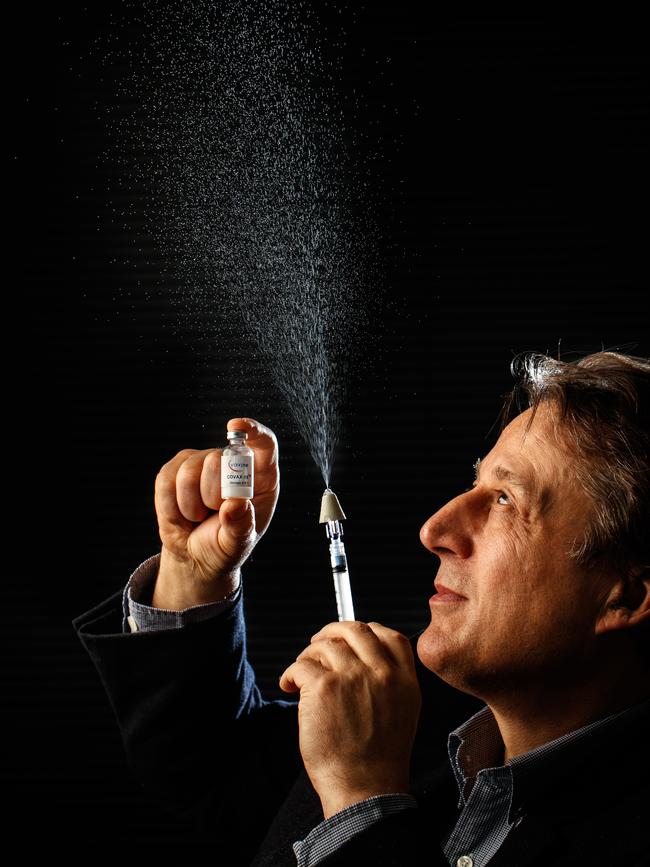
[603,401]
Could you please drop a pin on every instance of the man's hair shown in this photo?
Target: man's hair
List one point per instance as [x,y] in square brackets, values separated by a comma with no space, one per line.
[603,401]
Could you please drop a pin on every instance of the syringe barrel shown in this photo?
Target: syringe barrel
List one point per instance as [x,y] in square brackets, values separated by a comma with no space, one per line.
[341,580]
[337,556]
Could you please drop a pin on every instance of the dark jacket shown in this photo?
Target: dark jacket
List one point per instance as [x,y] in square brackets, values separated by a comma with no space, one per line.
[206,746]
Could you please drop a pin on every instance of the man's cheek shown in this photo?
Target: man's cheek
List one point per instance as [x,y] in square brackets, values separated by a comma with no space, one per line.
[499,571]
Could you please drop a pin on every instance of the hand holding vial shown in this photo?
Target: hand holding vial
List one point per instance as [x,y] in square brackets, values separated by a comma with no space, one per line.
[209,528]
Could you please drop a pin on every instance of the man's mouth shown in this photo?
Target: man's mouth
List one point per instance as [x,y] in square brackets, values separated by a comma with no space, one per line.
[446,595]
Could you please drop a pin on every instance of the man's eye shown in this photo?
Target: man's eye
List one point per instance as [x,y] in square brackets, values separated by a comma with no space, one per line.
[505,497]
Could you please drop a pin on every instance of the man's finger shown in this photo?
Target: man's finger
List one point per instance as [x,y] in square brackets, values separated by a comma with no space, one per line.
[210,481]
[237,526]
[398,643]
[301,673]
[165,489]
[260,437]
[188,487]
[334,654]
[362,640]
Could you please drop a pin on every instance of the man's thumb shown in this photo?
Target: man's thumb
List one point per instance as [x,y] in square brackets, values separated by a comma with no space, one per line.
[237,517]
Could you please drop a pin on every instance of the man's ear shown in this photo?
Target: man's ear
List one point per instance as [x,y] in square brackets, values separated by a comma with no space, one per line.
[628,603]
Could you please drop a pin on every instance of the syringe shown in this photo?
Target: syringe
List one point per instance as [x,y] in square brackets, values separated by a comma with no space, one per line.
[332,514]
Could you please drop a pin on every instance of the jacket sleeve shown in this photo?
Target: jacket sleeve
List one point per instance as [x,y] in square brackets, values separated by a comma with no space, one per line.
[198,736]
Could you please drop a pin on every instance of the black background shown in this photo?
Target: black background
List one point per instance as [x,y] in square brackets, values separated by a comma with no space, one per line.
[516,219]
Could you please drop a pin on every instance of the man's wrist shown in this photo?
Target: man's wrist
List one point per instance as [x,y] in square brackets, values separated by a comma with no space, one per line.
[178,586]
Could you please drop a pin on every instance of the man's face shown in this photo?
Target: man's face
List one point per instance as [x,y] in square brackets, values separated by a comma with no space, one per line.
[528,608]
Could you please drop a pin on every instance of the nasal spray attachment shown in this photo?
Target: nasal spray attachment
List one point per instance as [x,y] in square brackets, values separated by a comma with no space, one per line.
[332,514]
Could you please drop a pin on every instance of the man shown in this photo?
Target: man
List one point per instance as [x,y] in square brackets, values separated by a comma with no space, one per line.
[517,733]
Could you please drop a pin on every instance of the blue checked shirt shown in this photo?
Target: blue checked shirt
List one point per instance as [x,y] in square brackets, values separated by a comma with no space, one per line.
[489,791]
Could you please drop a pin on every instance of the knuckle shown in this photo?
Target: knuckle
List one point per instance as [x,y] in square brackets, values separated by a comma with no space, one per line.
[164,480]
[184,454]
[388,632]
[266,430]
[324,685]
[188,473]
[383,676]
[169,467]
[360,626]
[261,428]
[356,679]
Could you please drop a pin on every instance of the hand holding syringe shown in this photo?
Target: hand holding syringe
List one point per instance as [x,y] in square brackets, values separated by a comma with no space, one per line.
[332,514]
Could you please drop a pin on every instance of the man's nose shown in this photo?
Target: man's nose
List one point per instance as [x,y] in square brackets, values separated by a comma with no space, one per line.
[449,529]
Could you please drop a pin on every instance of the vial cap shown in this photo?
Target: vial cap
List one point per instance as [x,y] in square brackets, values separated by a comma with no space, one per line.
[237,435]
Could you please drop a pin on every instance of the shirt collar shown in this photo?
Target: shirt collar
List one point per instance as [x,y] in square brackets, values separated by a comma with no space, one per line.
[474,746]
[477,745]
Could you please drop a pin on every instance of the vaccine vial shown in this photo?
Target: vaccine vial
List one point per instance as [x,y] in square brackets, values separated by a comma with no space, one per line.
[237,467]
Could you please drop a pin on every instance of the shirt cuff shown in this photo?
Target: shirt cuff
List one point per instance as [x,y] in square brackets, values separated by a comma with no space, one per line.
[332,833]
[139,616]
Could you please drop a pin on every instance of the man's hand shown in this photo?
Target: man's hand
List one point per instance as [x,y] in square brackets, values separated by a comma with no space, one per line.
[359,706]
[205,539]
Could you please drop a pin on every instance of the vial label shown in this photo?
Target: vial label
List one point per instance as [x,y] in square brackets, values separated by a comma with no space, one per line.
[237,476]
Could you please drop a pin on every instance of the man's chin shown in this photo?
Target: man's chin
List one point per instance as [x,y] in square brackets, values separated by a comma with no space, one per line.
[457,663]
[443,656]
[433,651]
